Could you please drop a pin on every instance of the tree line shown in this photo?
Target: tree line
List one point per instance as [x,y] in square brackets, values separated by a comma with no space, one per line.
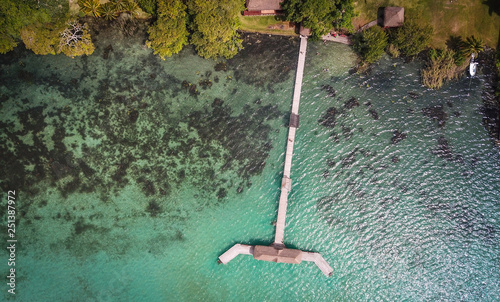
[47,27]
[211,26]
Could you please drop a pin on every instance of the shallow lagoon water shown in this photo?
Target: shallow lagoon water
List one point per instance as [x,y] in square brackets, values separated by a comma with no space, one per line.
[131,182]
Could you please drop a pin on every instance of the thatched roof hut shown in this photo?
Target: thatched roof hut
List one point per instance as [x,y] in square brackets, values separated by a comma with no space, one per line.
[269,253]
[394,16]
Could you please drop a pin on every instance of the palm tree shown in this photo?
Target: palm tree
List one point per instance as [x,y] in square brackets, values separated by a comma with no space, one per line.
[472,45]
[131,7]
[92,8]
[119,5]
[108,11]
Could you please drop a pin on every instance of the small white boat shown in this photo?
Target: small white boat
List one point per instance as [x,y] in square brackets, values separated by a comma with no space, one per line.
[472,66]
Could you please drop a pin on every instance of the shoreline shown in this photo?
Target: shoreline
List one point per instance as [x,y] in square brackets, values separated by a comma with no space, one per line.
[490,109]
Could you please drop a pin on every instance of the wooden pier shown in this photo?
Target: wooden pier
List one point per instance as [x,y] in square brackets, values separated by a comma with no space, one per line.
[277,252]
[286,182]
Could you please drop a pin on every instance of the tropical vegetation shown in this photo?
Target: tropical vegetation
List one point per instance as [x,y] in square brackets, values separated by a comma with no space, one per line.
[169,33]
[212,28]
[110,10]
[91,7]
[480,18]
[450,62]
[42,39]
[472,45]
[149,6]
[411,38]
[320,15]
[370,44]
[14,15]
[215,26]
[75,40]
[440,66]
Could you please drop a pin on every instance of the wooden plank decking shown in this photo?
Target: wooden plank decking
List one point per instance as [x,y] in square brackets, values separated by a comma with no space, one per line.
[283,203]
[319,261]
[236,250]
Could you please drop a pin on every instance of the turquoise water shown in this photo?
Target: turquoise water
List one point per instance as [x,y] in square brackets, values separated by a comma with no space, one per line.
[131,181]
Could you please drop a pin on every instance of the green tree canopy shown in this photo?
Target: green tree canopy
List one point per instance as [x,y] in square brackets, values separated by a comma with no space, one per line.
[42,39]
[411,38]
[169,33]
[30,20]
[370,44]
[320,15]
[215,24]
[15,15]
[149,6]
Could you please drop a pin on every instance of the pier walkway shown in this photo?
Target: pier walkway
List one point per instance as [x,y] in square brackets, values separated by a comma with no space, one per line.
[286,182]
[277,252]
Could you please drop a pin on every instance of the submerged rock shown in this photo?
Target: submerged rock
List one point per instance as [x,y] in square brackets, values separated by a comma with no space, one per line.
[205,84]
[221,66]
[436,113]
[335,137]
[325,203]
[330,162]
[60,170]
[443,150]
[107,50]
[398,136]
[413,95]
[148,187]
[351,103]
[221,193]
[347,132]
[133,116]
[350,158]
[374,114]
[276,57]
[193,90]
[217,102]
[153,208]
[328,119]
[330,90]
